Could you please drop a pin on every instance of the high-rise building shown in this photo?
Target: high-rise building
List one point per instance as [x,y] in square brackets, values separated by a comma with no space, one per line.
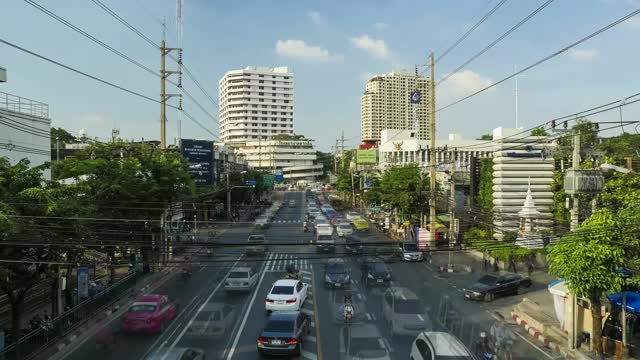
[386,105]
[256,103]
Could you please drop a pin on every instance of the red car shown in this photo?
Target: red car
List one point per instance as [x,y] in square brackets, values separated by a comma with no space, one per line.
[149,314]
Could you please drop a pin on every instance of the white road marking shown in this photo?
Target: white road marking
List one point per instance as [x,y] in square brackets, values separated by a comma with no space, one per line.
[310,338]
[420,317]
[389,347]
[382,343]
[308,355]
[305,272]
[373,316]
[368,316]
[184,330]
[313,324]
[244,320]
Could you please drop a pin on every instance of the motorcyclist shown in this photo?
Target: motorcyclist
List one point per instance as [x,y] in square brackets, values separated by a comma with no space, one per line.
[483,350]
[501,335]
[305,226]
[347,309]
[292,272]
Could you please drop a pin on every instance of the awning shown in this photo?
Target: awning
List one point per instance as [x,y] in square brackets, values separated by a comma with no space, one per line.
[559,287]
[632,300]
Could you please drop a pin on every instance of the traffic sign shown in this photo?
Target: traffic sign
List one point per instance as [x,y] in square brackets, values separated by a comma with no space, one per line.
[279,177]
[267,179]
[368,183]
[251,182]
[416,96]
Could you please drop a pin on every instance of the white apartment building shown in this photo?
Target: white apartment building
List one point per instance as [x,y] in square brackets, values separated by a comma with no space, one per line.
[386,105]
[296,159]
[256,103]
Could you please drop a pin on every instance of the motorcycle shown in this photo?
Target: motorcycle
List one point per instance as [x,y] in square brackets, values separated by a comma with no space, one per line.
[292,273]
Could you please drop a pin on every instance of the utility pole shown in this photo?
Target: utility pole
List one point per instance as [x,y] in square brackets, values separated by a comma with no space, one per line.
[432,161]
[227,170]
[163,95]
[575,219]
[452,205]
[335,159]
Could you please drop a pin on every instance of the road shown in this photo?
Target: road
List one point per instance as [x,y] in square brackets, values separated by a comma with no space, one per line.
[246,313]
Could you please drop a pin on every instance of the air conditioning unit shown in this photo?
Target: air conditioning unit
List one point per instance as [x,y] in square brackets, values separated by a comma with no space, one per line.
[3,75]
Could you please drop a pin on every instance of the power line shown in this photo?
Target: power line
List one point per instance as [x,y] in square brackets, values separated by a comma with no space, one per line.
[91,37]
[546,58]
[500,38]
[125,23]
[466,34]
[24,128]
[200,124]
[42,57]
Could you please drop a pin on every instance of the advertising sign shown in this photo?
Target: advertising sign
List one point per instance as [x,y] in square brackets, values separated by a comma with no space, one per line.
[199,153]
[416,97]
[366,157]
[83,281]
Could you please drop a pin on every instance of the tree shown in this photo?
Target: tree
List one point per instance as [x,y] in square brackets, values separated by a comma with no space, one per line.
[485,187]
[539,131]
[486,137]
[618,147]
[401,188]
[63,136]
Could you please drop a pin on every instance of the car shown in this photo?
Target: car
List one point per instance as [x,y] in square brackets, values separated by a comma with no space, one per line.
[262,222]
[286,295]
[149,314]
[360,225]
[410,251]
[284,333]
[256,245]
[404,312]
[363,342]
[436,345]
[325,242]
[178,353]
[336,274]
[353,245]
[375,273]
[335,220]
[343,229]
[497,284]
[215,320]
[241,279]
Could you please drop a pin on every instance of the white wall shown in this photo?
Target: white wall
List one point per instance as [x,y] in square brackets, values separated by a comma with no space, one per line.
[23,136]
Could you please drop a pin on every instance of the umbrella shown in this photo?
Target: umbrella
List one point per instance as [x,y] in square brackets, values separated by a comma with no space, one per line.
[632,300]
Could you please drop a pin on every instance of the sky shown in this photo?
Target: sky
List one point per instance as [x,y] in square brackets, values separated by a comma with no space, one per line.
[333,47]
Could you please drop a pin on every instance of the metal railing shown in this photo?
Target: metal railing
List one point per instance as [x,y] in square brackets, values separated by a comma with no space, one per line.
[51,331]
[23,105]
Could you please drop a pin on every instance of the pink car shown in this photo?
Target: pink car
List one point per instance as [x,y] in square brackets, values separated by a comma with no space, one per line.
[149,314]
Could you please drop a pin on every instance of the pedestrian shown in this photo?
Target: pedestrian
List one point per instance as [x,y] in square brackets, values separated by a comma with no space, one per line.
[530,265]
[485,261]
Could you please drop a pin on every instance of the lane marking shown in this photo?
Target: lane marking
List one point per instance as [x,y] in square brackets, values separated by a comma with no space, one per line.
[368,316]
[382,343]
[373,316]
[315,308]
[232,349]
[204,303]
[420,317]
[310,338]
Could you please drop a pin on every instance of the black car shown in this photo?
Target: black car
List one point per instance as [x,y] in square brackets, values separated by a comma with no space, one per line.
[497,284]
[284,333]
[336,274]
[375,273]
[353,245]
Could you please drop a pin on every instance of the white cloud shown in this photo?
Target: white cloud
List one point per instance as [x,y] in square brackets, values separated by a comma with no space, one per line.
[376,48]
[298,49]
[315,17]
[465,82]
[584,54]
[366,76]
[381,26]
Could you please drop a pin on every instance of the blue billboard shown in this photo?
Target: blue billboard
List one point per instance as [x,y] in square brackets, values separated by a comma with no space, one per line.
[199,154]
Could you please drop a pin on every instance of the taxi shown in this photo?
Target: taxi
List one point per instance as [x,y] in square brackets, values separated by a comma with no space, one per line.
[149,314]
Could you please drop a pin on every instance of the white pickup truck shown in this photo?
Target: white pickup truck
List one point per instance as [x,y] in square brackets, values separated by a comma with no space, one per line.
[324,238]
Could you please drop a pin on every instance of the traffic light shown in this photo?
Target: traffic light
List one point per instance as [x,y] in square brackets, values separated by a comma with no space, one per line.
[553,124]
[565,124]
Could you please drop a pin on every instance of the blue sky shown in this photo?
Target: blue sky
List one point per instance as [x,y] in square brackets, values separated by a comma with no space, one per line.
[331,46]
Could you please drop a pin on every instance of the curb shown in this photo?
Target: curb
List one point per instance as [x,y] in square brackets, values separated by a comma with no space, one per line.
[535,333]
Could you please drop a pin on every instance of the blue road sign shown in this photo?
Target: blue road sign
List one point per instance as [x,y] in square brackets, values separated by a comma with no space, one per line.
[279,177]
[251,182]
[416,96]
[368,183]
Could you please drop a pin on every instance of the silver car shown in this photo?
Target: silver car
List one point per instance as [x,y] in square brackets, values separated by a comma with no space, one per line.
[215,320]
[404,312]
[363,342]
[241,279]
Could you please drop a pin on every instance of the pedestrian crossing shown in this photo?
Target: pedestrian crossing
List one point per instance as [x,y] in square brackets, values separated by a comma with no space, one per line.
[279,262]
[287,221]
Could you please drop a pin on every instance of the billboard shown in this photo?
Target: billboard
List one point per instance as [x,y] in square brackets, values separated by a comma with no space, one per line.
[199,154]
[366,157]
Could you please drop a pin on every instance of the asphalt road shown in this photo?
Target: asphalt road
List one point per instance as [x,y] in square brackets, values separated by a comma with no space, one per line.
[328,338]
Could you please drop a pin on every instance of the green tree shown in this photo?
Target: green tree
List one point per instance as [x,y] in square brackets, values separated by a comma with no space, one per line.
[485,187]
[486,137]
[63,136]
[402,187]
[619,147]
[560,212]
[539,131]
[588,260]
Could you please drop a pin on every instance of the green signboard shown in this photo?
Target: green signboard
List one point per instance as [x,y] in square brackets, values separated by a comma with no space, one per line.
[268,179]
[366,157]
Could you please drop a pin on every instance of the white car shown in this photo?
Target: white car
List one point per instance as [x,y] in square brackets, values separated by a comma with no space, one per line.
[286,295]
[344,229]
[241,279]
[433,345]
[215,319]
[363,342]
[352,215]
[404,312]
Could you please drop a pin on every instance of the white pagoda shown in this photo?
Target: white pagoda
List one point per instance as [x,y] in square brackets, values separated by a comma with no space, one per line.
[528,233]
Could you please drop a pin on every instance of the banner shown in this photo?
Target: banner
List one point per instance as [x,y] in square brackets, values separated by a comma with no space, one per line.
[366,156]
[199,153]
[83,281]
